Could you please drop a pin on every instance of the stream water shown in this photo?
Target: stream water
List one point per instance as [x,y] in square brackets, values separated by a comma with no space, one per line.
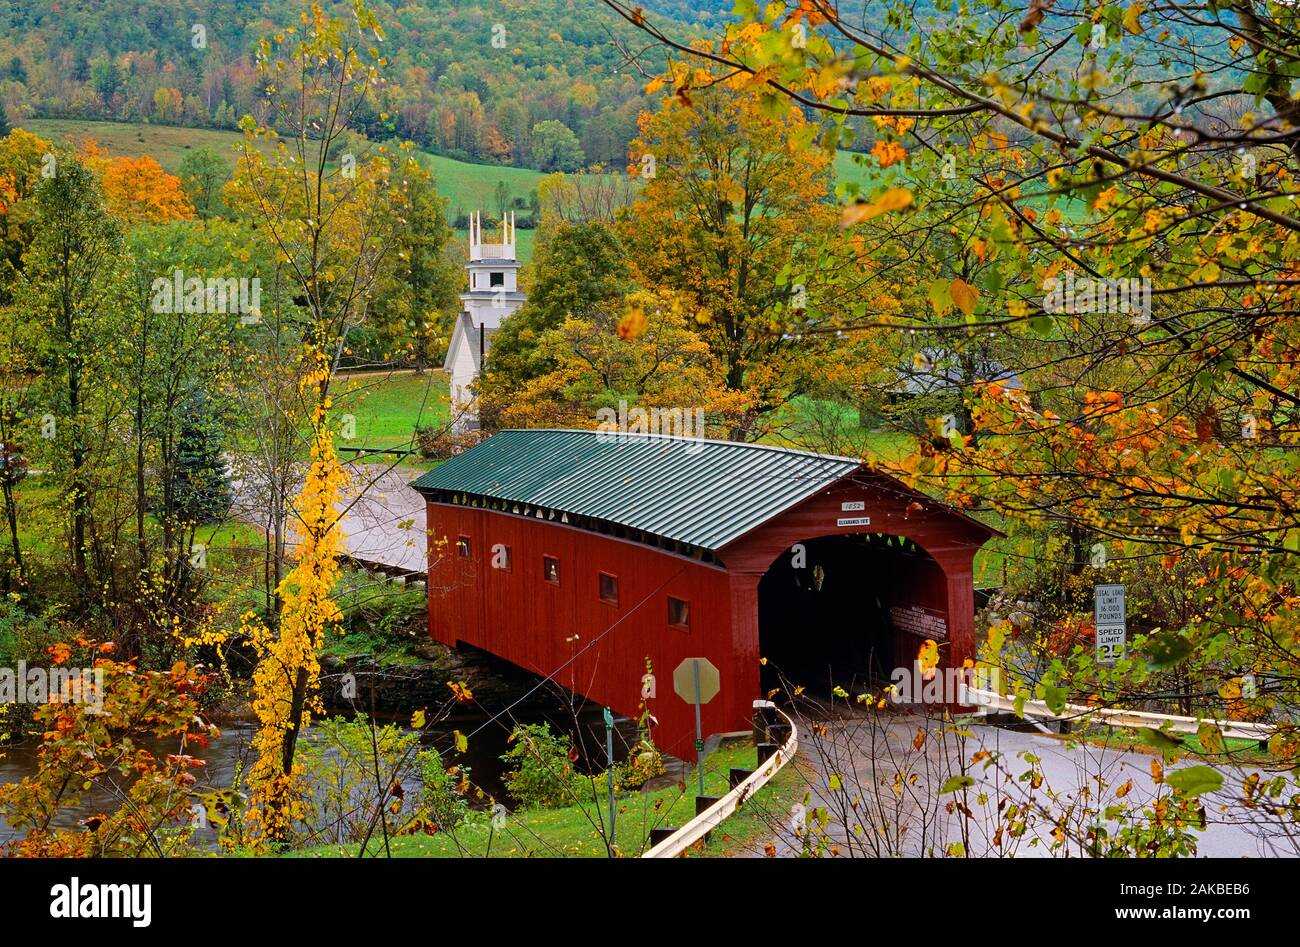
[224,757]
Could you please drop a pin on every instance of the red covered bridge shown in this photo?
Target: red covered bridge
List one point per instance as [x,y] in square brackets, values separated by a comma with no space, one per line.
[578,555]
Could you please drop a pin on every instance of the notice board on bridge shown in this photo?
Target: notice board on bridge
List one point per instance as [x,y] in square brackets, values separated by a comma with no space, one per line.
[920,620]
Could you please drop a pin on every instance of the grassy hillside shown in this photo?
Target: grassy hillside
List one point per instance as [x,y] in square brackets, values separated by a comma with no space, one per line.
[166,144]
[388,407]
[466,186]
[473,186]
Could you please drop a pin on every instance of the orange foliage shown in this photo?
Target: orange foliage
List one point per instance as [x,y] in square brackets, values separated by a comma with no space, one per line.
[138,190]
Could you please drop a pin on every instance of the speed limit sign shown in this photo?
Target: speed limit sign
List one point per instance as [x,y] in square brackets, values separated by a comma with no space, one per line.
[1109,612]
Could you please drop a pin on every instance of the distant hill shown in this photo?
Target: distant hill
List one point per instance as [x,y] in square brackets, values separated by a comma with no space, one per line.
[467,80]
[468,187]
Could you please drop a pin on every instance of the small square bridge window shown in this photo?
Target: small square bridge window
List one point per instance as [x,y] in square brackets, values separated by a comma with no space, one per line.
[551,569]
[679,612]
[608,588]
[463,547]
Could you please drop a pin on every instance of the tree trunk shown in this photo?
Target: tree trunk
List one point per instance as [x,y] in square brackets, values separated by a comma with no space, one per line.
[11,514]
[79,491]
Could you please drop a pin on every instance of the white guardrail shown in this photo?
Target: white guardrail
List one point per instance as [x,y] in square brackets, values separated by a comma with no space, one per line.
[991,700]
[712,817]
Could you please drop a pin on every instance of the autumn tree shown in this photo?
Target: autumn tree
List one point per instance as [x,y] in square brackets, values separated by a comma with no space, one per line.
[91,745]
[641,353]
[592,197]
[73,270]
[595,195]
[579,272]
[138,190]
[23,158]
[734,197]
[414,304]
[334,230]
[1128,231]
[17,368]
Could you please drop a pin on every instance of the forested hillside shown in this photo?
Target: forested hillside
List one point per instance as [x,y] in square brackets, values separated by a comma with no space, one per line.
[533,83]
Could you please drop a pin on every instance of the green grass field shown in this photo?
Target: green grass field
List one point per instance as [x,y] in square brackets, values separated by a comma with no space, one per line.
[572,831]
[166,144]
[388,406]
[470,187]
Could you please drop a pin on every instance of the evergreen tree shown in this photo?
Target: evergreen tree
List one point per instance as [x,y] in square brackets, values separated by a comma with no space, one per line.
[5,127]
[202,485]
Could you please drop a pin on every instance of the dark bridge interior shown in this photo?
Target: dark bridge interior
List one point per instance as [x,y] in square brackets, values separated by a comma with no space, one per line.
[823,614]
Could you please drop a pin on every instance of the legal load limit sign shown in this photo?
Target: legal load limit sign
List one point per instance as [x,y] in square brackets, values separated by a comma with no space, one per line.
[1111,622]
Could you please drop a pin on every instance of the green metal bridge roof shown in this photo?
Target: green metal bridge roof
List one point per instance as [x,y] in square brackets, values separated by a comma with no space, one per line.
[706,493]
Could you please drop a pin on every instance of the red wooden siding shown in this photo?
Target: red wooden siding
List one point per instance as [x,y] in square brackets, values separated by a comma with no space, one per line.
[540,626]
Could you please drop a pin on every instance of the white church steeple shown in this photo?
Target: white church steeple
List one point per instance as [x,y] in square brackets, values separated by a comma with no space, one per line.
[505,250]
[493,270]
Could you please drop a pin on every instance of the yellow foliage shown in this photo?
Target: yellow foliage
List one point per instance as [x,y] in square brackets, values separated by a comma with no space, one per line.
[288,667]
[895,198]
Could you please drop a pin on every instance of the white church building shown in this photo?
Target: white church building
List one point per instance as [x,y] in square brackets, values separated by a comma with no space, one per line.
[493,295]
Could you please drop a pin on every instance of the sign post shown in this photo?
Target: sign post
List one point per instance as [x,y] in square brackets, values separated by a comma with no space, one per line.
[609,770]
[1111,622]
[697,682]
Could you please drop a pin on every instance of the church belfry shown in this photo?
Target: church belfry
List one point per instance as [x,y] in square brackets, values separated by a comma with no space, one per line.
[493,271]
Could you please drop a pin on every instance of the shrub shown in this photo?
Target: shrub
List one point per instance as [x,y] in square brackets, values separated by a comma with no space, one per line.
[444,795]
[643,764]
[338,762]
[440,443]
[23,637]
[539,772]
[87,755]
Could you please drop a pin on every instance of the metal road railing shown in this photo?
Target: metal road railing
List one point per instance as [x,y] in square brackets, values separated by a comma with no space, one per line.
[991,700]
[716,814]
